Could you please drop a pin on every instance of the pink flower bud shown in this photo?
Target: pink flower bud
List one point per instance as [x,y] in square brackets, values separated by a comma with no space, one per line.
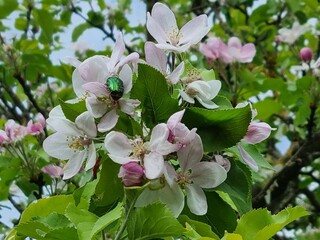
[306,54]
[257,132]
[53,171]
[224,162]
[37,127]
[132,174]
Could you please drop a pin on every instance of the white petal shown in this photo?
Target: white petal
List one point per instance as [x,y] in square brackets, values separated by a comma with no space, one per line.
[93,69]
[96,108]
[215,86]
[155,57]
[63,125]
[170,47]
[108,121]
[118,144]
[208,174]
[186,97]
[132,58]
[126,77]
[122,160]
[71,60]
[196,199]
[248,159]
[194,30]
[155,30]
[128,106]
[175,119]
[191,155]
[74,164]
[207,104]
[92,157]
[96,88]
[117,53]
[153,165]
[85,122]
[174,77]
[163,15]
[158,140]
[56,145]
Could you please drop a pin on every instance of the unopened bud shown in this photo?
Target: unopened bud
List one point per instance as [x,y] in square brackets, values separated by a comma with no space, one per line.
[132,174]
[306,54]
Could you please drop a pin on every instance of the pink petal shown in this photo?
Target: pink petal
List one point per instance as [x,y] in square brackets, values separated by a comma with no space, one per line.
[234,42]
[117,53]
[248,159]
[248,51]
[257,132]
[175,119]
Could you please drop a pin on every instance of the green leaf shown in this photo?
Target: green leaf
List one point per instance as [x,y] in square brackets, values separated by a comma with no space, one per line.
[266,108]
[46,206]
[7,7]
[55,220]
[232,236]
[201,228]
[106,220]
[220,216]
[45,20]
[32,229]
[263,225]
[64,232]
[218,129]
[72,110]
[83,220]
[78,30]
[238,186]
[152,222]
[152,90]
[82,196]
[109,188]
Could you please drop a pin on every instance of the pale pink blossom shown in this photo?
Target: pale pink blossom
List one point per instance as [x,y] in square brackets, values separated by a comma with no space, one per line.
[157,58]
[3,137]
[72,141]
[257,132]
[290,35]
[162,26]
[37,127]
[212,48]
[150,154]
[15,131]
[235,52]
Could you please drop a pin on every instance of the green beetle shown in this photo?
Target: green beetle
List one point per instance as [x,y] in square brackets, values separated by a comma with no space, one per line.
[115,87]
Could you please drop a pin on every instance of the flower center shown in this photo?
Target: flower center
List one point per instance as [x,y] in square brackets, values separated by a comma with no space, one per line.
[78,143]
[139,148]
[175,36]
[183,178]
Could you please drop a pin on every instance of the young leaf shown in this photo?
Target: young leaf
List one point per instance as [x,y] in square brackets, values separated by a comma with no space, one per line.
[218,129]
[151,89]
[82,196]
[152,222]
[78,30]
[263,225]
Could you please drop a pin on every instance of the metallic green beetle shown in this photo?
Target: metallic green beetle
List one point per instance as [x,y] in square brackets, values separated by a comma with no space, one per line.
[115,86]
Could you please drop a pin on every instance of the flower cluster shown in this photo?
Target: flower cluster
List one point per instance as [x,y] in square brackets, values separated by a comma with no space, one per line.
[216,49]
[168,158]
[14,132]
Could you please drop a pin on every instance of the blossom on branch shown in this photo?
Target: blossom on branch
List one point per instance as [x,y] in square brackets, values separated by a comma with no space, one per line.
[72,141]
[162,26]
